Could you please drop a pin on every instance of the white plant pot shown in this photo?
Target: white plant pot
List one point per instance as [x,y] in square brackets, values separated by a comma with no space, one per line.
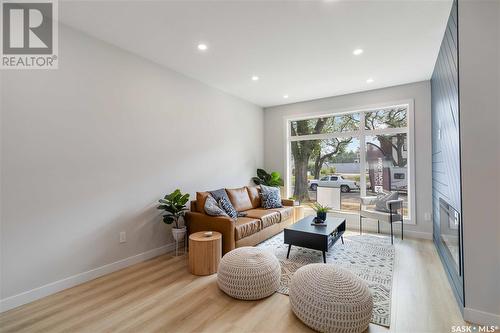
[179,233]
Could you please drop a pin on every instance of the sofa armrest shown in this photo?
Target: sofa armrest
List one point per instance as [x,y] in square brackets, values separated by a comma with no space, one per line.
[223,224]
[192,206]
[287,202]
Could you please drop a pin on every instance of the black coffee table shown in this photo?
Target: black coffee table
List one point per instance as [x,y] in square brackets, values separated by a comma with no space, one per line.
[319,238]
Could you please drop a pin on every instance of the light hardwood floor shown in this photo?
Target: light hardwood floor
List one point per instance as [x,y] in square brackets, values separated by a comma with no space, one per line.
[160,295]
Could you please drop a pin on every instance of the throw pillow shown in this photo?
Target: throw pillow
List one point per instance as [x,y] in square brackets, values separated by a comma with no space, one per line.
[270,197]
[217,194]
[222,194]
[381,202]
[228,208]
[212,208]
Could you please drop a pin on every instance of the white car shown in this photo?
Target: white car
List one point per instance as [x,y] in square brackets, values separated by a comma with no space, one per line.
[345,185]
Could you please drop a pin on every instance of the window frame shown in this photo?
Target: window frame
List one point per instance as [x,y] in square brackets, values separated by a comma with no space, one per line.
[361,135]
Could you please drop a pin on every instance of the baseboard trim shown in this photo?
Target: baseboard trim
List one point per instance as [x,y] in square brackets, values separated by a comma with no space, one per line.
[481,318]
[71,281]
[418,234]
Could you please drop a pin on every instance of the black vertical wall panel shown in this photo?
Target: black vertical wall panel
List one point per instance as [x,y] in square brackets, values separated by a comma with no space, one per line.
[446,181]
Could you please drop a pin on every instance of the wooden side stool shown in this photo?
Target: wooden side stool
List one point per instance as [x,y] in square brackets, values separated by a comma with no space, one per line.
[204,252]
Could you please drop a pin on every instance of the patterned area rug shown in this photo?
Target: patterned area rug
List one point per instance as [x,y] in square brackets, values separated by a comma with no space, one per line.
[370,257]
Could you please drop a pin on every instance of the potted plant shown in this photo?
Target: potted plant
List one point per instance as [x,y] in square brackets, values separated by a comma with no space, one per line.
[320,210]
[174,205]
[269,179]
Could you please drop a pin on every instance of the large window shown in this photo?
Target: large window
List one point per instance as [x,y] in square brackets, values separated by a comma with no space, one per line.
[362,153]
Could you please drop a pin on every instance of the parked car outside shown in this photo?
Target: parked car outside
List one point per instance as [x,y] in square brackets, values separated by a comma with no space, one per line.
[345,185]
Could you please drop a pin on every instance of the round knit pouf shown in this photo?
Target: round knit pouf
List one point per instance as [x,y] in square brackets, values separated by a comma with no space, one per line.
[249,273]
[330,299]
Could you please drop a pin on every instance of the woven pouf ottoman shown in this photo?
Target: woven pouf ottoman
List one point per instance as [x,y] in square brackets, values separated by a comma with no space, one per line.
[330,299]
[249,273]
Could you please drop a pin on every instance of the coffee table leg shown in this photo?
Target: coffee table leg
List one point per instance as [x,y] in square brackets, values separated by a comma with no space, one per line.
[324,257]
[289,247]
[342,239]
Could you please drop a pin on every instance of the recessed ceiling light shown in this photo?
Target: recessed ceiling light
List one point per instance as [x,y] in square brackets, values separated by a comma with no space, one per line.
[285,96]
[202,47]
[255,78]
[370,80]
[357,51]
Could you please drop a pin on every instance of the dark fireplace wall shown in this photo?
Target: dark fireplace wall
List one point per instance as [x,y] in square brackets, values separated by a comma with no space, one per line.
[446,180]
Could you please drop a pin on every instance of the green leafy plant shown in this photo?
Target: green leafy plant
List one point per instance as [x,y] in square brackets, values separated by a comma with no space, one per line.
[319,208]
[268,179]
[174,205]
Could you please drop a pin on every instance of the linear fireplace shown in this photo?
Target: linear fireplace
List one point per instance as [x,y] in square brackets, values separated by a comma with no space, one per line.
[449,242]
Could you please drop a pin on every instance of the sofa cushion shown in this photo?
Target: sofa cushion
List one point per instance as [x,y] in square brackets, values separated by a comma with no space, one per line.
[253,193]
[268,217]
[239,198]
[218,194]
[246,226]
[200,201]
[285,212]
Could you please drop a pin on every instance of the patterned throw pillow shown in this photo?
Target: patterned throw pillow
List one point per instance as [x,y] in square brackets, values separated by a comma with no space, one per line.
[220,194]
[270,197]
[212,208]
[228,208]
[217,194]
[381,203]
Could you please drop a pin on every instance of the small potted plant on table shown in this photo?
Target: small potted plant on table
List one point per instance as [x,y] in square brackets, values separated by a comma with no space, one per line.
[174,205]
[320,210]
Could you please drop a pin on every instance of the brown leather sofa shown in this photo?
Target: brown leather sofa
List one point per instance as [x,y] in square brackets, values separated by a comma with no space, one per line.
[258,225]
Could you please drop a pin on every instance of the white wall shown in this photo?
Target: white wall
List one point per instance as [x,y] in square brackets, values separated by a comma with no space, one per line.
[274,137]
[479,69]
[89,148]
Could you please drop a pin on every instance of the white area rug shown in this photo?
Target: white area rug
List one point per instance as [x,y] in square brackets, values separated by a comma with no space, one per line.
[370,257]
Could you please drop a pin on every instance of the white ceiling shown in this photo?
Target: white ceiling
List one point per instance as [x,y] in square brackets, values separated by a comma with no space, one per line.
[300,48]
